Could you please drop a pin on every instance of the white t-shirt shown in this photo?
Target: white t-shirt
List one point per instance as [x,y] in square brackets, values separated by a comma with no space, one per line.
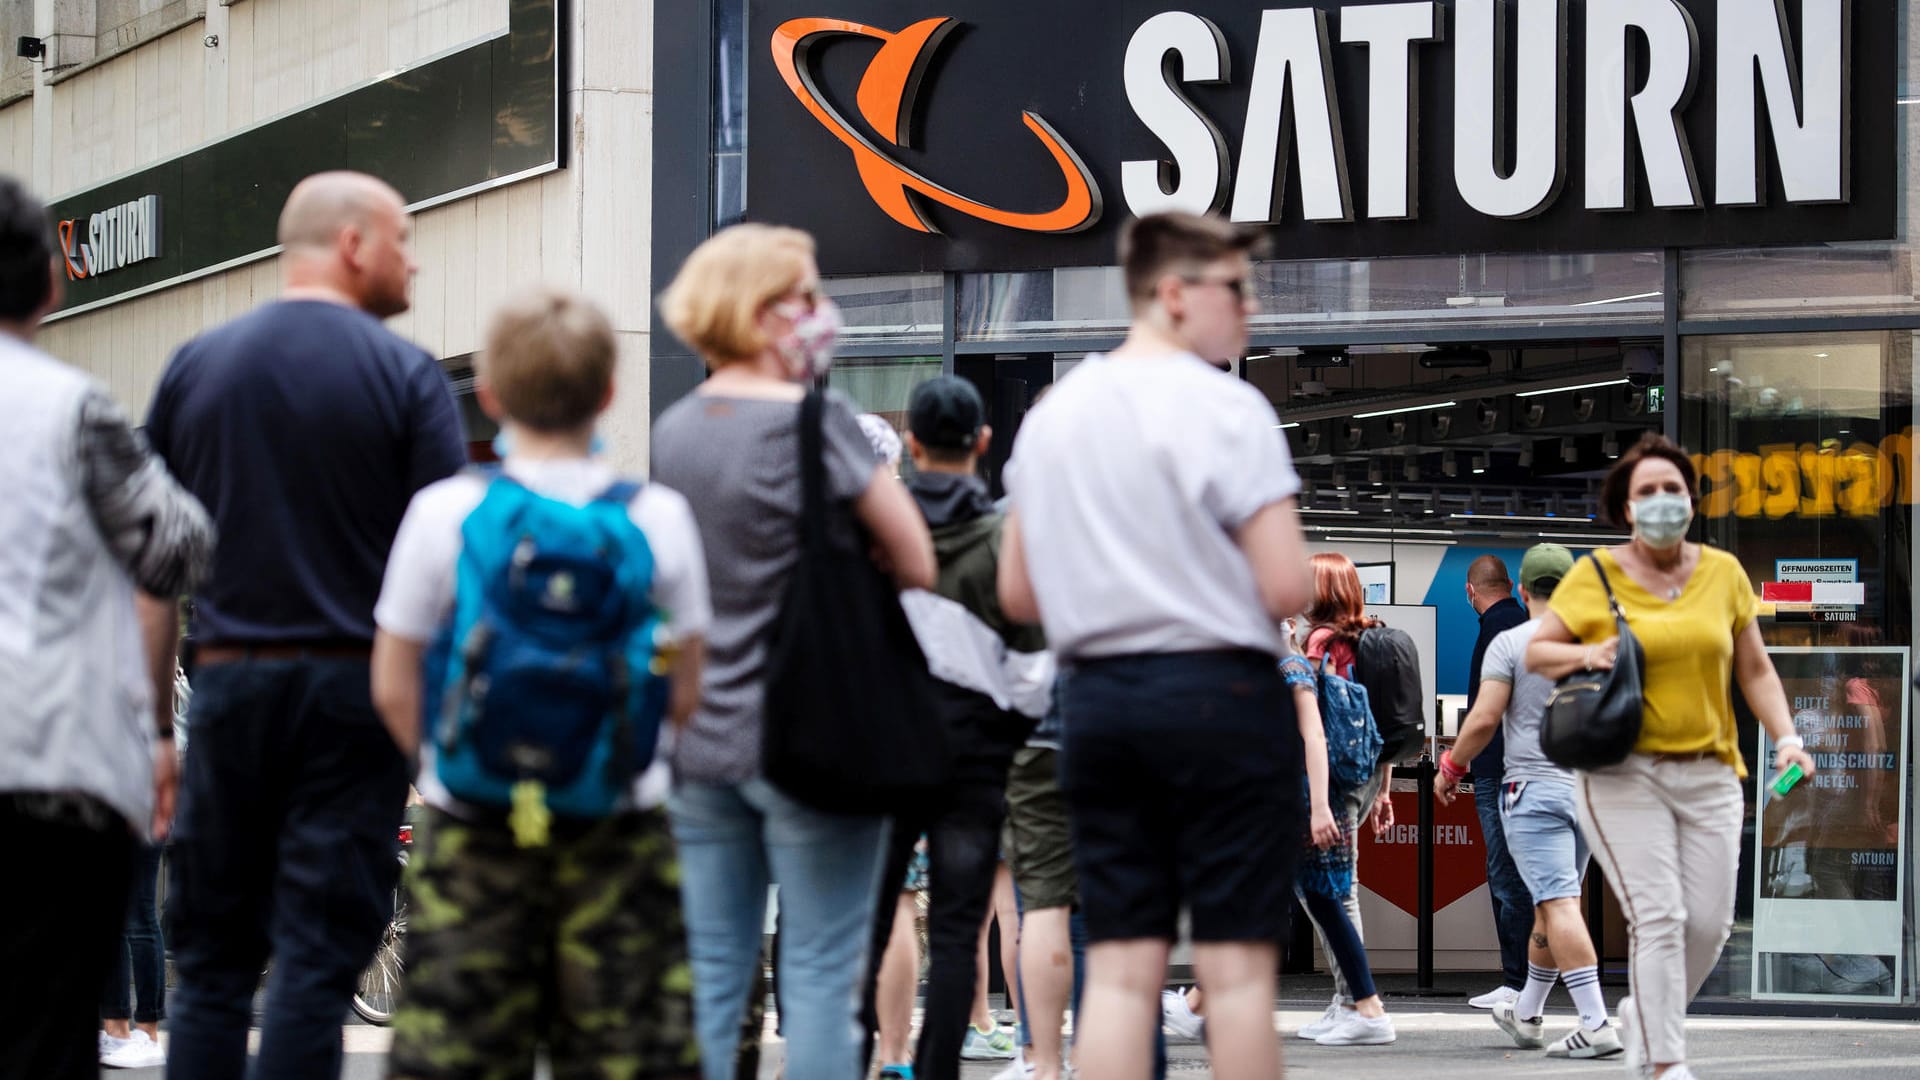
[416,596]
[1129,480]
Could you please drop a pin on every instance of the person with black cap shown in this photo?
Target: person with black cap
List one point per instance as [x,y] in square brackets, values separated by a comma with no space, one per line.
[992,681]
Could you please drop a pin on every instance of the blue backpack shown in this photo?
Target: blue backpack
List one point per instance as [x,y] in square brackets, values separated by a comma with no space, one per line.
[1353,742]
[548,670]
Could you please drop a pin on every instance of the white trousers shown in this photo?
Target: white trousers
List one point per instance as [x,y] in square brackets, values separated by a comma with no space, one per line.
[1667,835]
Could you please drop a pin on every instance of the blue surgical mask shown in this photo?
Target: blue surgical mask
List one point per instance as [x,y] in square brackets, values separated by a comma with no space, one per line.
[1660,521]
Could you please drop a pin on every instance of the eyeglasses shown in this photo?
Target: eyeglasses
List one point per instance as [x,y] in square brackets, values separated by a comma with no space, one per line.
[1235,285]
[801,299]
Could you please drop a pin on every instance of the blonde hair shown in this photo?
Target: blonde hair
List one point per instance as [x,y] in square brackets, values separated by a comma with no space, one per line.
[714,302]
[549,360]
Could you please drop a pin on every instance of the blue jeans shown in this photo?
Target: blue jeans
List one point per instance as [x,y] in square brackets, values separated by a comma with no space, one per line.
[139,958]
[1512,904]
[284,846]
[1343,943]
[734,840]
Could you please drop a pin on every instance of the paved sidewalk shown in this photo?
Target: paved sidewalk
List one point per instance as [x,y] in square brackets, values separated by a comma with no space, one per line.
[1452,1042]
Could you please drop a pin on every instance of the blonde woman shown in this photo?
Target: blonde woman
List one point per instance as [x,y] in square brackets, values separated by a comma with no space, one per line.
[749,301]
[1664,824]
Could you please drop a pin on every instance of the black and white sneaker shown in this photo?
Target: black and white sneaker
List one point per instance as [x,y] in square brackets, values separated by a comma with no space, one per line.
[1585,1042]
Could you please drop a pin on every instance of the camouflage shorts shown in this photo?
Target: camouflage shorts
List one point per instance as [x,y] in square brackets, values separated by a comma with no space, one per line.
[578,947]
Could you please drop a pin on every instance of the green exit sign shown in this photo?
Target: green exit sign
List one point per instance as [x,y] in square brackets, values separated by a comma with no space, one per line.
[1656,399]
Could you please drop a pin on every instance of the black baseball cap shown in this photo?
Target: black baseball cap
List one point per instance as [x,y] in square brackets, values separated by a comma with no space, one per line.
[946,413]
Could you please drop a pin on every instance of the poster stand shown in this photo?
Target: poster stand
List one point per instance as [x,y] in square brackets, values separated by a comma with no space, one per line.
[1830,887]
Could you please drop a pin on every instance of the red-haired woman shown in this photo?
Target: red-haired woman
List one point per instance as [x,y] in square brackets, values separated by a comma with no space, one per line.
[1355,1016]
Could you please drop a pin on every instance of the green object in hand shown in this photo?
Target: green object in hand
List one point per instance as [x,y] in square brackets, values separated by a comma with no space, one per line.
[1788,777]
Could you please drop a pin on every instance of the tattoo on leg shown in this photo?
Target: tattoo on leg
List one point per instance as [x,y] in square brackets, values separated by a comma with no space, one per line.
[1540,941]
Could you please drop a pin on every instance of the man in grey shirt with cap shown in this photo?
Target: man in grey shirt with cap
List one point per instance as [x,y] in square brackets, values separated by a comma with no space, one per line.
[1542,826]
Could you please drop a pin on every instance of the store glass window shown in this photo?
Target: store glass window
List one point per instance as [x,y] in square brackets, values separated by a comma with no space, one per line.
[1832,279]
[1041,304]
[883,386]
[1339,294]
[729,112]
[888,308]
[1805,448]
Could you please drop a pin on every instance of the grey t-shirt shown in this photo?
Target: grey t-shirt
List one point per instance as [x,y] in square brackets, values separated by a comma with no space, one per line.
[737,461]
[1507,662]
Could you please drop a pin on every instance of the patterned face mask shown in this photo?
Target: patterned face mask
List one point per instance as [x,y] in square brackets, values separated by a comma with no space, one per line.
[1661,520]
[807,349]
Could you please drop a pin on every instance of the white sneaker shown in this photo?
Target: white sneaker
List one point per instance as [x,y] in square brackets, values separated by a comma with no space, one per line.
[109,1043]
[1585,1042]
[1329,1020]
[1527,1033]
[1018,1070]
[1179,1018]
[1494,997]
[1357,1030]
[138,1051]
[1636,1063]
[1678,1072]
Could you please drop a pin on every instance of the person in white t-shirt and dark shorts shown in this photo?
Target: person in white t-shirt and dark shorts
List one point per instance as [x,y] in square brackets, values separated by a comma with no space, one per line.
[1154,534]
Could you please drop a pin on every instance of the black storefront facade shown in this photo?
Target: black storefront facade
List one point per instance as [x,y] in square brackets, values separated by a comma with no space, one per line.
[1507,237]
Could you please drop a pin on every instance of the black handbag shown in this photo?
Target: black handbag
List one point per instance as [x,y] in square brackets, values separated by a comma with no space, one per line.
[1593,717]
[849,725]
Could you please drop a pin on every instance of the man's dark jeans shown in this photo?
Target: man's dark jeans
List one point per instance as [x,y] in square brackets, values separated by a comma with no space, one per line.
[284,847]
[1512,903]
[963,849]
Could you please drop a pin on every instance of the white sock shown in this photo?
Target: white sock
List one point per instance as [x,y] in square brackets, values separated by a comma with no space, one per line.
[1533,998]
[1584,985]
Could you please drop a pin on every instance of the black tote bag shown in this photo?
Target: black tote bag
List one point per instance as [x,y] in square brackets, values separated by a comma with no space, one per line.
[849,720]
[1593,717]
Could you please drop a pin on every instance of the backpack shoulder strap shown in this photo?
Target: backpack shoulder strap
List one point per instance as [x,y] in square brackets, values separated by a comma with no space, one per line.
[621,492]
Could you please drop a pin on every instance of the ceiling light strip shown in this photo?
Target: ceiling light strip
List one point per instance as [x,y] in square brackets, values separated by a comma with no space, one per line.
[1408,409]
[1581,386]
[1547,518]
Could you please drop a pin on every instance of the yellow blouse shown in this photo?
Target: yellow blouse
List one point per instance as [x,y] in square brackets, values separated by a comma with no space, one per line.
[1688,644]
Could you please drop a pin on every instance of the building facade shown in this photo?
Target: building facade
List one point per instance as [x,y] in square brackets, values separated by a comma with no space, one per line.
[1507,239]
[166,135]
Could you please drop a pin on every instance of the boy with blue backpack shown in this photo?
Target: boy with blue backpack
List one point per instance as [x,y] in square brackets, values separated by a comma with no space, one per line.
[539,633]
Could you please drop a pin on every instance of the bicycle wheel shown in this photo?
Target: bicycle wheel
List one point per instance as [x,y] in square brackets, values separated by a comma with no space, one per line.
[379,987]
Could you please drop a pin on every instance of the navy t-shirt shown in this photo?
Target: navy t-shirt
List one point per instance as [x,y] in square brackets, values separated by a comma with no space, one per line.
[1491,764]
[305,427]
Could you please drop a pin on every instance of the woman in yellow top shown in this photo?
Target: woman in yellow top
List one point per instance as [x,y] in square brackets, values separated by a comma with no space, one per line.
[1665,824]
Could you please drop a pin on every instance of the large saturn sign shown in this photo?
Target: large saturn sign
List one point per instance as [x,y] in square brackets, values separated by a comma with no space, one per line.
[969,134]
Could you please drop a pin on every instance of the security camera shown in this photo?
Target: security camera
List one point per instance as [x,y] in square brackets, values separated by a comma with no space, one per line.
[1642,365]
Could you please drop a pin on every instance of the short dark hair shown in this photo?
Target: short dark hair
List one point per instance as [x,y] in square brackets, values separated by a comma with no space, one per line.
[1616,490]
[1159,244]
[26,252]
[1542,588]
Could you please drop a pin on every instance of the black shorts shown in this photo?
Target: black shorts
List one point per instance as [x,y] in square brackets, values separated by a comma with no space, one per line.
[1183,774]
